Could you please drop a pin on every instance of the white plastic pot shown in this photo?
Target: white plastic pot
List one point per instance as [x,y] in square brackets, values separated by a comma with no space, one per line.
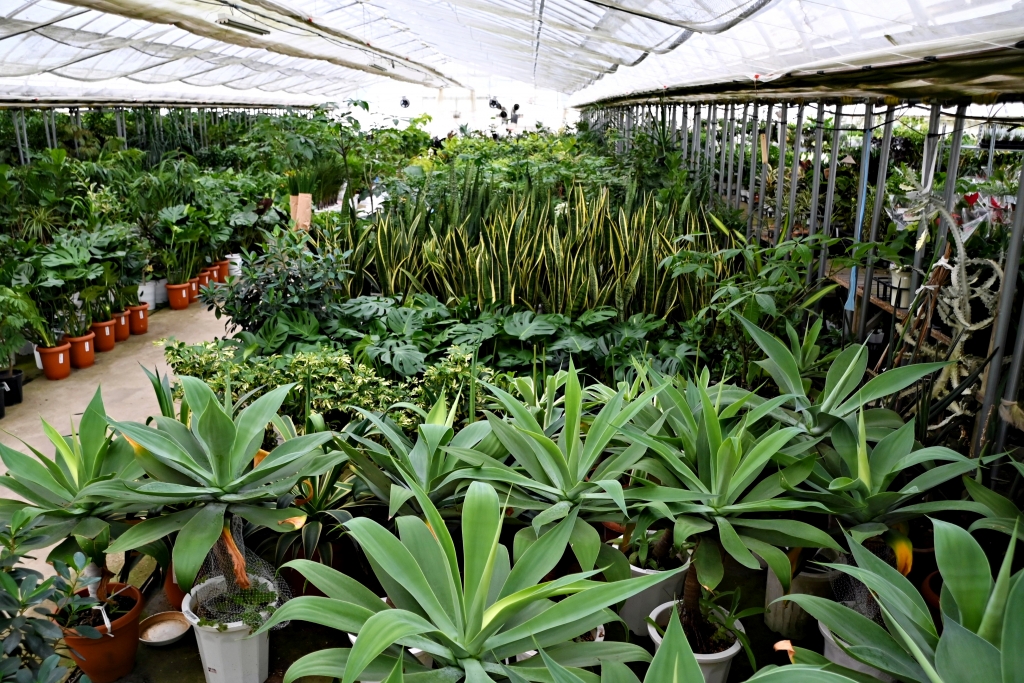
[161,291]
[834,653]
[228,655]
[787,618]
[235,264]
[147,294]
[714,667]
[900,287]
[635,609]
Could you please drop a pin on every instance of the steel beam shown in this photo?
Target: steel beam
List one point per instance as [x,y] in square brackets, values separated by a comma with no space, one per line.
[876,215]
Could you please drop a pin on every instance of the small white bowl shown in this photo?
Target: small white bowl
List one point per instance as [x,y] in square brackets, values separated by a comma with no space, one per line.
[163,628]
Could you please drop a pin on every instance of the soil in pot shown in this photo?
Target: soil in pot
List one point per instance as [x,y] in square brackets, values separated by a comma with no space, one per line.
[107,659]
[177,296]
[138,319]
[56,361]
[83,351]
[193,290]
[13,381]
[122,330]
[105,336]
[714,648]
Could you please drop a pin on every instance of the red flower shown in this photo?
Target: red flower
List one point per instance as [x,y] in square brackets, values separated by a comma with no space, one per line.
[972,198]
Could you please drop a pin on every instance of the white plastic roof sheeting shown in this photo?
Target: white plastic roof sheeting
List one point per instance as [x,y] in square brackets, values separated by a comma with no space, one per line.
[309,50]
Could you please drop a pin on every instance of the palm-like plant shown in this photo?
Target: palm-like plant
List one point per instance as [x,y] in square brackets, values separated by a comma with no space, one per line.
[982,634]
[470,619]
[206,466]
[712,490]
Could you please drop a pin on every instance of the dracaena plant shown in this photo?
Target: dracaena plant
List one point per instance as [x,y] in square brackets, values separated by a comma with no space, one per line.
[855,481]
[982,634]
[842,396]
[89,455]
[724,489]
[470,618]
[206,468]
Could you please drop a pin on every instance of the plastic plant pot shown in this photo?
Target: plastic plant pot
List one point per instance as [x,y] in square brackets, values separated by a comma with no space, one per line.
[138,319]
[715,667]
[13,382]
[56,360]
[83,351]
[105,336]
[177,296]
[121,328]
[109,658]
[147,294]
[223,270]
[193,290]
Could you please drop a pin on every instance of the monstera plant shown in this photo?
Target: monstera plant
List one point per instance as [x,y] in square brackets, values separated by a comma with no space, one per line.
[205,469]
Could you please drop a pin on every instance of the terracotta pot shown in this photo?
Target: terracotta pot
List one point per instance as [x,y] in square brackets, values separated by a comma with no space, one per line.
[138,319]
[121,328]
[223,269]
[204,277]
[172,590]
[193,290]
[177,296]
[107,659]
[83,351]
[56,360]
[105,336]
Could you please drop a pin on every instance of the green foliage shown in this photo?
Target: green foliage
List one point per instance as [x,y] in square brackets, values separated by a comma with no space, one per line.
[19,318]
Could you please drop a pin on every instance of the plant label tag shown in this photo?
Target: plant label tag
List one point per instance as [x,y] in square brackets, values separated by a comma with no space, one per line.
[87,347]
[60,359]
[140,315]
[106,331]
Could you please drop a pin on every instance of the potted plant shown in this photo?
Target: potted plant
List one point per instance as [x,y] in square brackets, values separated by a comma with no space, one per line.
[209,474]
[18,315]
[99,303]
[721,640]
[178,254]
[469,616]
[101,633]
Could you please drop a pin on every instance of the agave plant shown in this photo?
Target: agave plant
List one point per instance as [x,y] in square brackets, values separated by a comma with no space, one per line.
[205,468]
[89,455]
[470,619]
[713,491]
[982,633]
[998,512]
[853,479]
[842,396]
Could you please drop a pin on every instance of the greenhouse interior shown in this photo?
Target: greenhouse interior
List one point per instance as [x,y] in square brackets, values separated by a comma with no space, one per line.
[553,341]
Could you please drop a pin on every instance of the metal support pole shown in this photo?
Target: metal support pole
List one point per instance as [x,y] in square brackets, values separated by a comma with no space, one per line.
[723,148]
[684,137]
[952,170]
[830,189]
[1002,326]
[764,147]
[709,144]
[732,152]
[780,180]
[931,143]
[876,215]
[862,200]
[743,157]
[794,174]
[812,223]
[753,171]
[695,152]
[991,150]
[22,152]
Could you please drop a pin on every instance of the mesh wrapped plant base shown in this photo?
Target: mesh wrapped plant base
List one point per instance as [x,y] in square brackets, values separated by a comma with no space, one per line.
[220,599]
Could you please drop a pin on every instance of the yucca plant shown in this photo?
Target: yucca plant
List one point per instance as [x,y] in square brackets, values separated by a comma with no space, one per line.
[470,618]
[982,634]
[714,491]
[205,467]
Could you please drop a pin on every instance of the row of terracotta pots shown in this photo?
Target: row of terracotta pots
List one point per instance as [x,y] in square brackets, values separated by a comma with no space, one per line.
[80,352]
[179,297]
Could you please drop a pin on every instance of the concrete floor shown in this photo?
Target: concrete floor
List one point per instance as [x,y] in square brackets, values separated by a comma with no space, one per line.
[127,393]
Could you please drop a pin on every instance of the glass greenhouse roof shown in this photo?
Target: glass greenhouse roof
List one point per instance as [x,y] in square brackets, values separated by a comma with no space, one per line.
[307,51]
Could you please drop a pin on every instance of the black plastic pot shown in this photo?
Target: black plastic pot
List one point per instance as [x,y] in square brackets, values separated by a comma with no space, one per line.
[13,382]
[3,399]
